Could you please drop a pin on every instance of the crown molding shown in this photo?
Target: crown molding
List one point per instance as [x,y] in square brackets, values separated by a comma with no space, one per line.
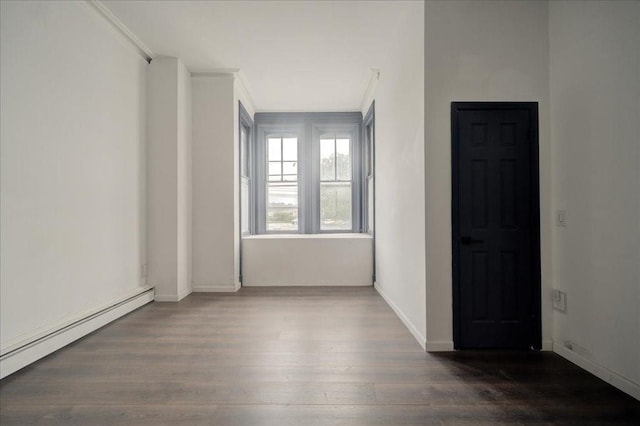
[243,88]
[108,16]
[370,91]
[216,72]
[237,75]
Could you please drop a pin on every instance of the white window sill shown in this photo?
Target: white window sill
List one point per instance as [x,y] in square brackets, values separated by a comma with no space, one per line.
[308,236]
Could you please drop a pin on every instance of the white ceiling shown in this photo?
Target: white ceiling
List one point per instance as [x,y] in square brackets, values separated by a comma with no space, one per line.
[294,55]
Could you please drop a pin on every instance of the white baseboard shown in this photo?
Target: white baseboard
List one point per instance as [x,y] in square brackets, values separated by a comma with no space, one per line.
[167,298]
[216,288]
[15,358]
[439,346]
[412,329]
[173,297]
[547,345]
[615,379]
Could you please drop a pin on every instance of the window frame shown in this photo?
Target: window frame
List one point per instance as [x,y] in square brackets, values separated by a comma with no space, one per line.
[264,131]
[368,171]
[353,129]
[245,122]
[308,127]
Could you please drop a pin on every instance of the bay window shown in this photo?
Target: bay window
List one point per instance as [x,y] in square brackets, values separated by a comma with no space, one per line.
[307,173]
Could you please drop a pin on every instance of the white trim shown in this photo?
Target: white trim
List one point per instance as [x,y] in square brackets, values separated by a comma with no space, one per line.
[173,297]
[346,235]
[609,376]
[216,288]
[215,73]
[414,331]
[105,13]
[238,76]
[547,345]
[184,293]
[167,298]
[370,91]
[58,337]
[439,346]
[245,93]
[29,338]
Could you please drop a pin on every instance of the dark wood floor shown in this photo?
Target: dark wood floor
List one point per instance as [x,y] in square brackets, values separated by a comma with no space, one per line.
[295,356]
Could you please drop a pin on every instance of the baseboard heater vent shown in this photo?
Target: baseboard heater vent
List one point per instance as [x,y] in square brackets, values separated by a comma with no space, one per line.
[21,354]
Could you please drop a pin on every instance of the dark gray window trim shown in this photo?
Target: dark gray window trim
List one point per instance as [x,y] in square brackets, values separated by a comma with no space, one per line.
[245,121]
[264,130]
[307,126]
[353,129]
[370,120]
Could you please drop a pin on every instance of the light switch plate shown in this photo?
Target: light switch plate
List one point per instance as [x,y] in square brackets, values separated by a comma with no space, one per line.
[559,300]
[561,218]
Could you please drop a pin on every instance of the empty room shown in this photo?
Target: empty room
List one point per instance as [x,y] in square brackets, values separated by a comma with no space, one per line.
[319,212]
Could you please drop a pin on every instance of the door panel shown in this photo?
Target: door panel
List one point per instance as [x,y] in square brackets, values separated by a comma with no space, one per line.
[495,218]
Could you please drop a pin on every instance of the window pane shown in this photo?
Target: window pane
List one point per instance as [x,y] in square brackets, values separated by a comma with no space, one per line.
[274,149]
[369,204]
[275,169]
[244,199]
[290,168]
[327,159]
[290,149]
[282,206]
[343,159]
[335,206]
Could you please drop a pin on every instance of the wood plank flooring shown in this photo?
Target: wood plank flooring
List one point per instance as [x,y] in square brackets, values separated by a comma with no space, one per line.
[295,356]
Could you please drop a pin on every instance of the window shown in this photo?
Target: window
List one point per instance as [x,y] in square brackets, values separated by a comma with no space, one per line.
[335,182]
[308,176]
[282,183]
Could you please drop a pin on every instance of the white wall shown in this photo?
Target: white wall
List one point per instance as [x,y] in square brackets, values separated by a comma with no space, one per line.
[215,192]
[399,175]
[478,51]
[595,132]
[307,260]
[72,166]
[169,178]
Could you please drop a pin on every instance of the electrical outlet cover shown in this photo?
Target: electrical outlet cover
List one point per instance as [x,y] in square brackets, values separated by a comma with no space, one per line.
[559,300]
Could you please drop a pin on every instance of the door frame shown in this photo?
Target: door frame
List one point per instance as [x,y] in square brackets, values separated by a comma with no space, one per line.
[535,337]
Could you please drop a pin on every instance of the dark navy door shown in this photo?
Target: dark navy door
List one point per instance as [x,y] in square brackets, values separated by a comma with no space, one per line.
[496,225]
